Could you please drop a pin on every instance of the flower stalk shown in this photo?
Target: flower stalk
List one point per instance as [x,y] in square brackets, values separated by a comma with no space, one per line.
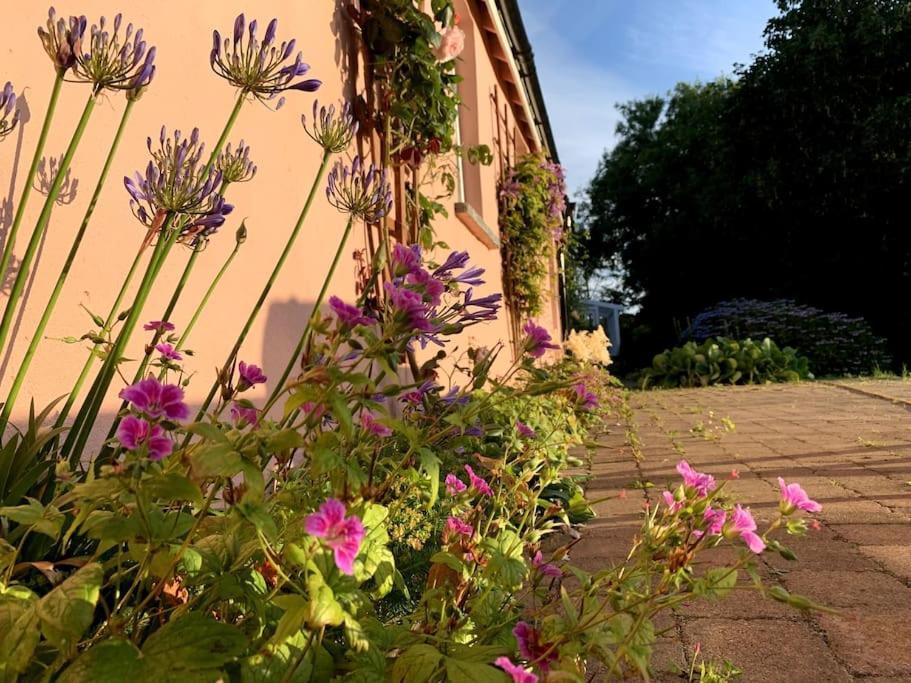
[64,272]
[43,220]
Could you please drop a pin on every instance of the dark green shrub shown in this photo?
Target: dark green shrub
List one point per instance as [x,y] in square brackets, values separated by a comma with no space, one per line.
[725,361]
[834,343]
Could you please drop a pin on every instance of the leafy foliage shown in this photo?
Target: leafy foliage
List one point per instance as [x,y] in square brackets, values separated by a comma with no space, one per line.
[725,361]
[531,219]
[834,343]
[784,183]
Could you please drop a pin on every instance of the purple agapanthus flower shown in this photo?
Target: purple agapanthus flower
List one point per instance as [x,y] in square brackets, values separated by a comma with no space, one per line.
[260,68]
[343,534]
[417,395]
[235,163]
[457,260]
[159,326]
[62,39]
[157,400]
[168,352]
[9,112]
[359,190]
[331,129]
[133,433]
[538,340]
[114,61]
[249,376]
[348,314]
[369,423]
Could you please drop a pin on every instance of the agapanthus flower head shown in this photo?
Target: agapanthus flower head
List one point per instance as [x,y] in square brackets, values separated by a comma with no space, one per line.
[742,524]
[156,400]
[177,181]
[114,61]
[793,498]
[249,375]
[481,310]
[514,671]
[538,340]
[134,432]
[261,67]
[458,260]
[343,534]
[359,190]
[331,128]
[62,40]
[235,164]
[9,112]
[348,314]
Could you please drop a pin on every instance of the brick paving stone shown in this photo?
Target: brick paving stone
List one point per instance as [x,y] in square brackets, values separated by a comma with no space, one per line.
[850,447]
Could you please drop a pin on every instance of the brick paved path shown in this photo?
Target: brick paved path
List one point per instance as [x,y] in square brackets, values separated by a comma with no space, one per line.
[850,447]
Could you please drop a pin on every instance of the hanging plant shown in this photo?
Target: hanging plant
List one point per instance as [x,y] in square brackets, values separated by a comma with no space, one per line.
[532,203]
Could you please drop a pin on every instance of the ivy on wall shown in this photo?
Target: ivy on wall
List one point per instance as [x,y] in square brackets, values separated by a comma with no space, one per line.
[532,203]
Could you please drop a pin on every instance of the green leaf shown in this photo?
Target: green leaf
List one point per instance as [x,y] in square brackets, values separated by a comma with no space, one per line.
[43,520]
[430,463]
[68,610]
[208,431]
[19,635]
[339,407]
[324,609]
[462,671]
[417,664]
[193,643]
[173,487]
[110,661]
[720,581]
[220,460]
[284,440]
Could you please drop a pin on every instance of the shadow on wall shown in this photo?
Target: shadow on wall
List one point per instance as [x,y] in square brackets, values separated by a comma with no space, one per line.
[285,321]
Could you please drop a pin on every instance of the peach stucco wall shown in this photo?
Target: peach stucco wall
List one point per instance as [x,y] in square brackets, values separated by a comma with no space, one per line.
[185,94]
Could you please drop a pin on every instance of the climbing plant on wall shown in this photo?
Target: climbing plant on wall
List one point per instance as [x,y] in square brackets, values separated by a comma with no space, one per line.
[532,203]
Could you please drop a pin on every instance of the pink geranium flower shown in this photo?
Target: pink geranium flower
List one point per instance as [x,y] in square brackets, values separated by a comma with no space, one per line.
[538,340]
[715,520]
[518,674]
[477,483]
[370,423]
[673,504]
[157,400]
[793,497]
[134,432]
[242,415]
[545,568]
[530,647]
[456,527]
[250,375]
[168,351]
[160,326]
[524,430]
[742,524]
[454,485]
[343,534]
[702,483]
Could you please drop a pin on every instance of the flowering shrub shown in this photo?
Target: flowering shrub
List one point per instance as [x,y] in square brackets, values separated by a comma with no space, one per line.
[834,343]
[532,202]
[725,361]
[358,524]
[589,347]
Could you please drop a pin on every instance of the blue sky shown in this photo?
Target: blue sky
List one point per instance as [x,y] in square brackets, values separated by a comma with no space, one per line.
[592,54]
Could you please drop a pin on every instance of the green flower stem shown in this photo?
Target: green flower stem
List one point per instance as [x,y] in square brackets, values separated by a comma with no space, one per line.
[109,321]
[205,299]
[43,220]
[308,328]
[30,178]
[64,272]
[85,419]
[317,183]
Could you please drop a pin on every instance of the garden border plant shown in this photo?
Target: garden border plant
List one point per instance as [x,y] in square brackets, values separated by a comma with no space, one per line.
[251,546]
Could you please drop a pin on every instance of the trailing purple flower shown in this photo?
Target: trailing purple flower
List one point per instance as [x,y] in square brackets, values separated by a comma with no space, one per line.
[330,129]
[62,41]
[585,398]
[115,62]
[347,314]
[262,68]
[249,376]
[9,112]
[235,164]
[159,326]
[538,340]
[408,308]
[359,190]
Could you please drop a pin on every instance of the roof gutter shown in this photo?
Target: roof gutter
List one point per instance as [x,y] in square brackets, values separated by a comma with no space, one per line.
[524,57]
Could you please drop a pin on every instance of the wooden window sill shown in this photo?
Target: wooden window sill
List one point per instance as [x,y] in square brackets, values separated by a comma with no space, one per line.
[476,225]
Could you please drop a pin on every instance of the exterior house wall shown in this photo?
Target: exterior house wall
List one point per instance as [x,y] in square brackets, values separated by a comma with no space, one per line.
[185,94]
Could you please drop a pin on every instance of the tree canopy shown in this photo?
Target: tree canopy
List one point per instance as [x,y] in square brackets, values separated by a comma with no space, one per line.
[790,180]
